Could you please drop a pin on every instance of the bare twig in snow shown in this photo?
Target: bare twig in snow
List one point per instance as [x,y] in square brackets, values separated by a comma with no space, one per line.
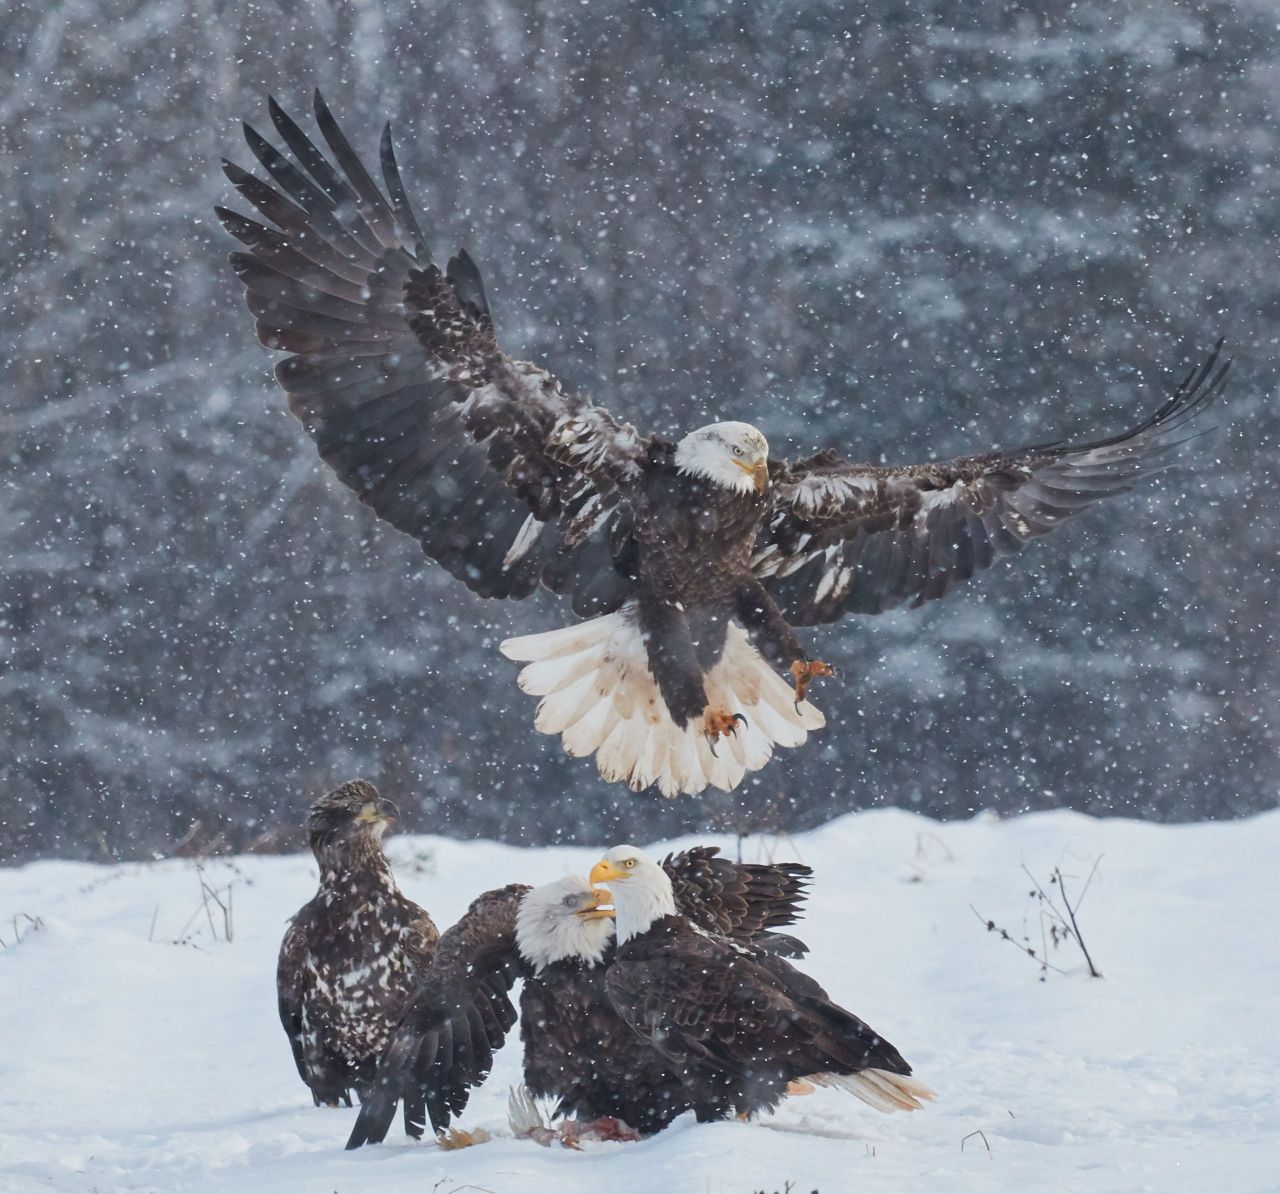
[1093,870]
[768,845]
[1005,935]
[1056,925]
[925,855]
[1094,972]
[209,898]
[926,835]
[31,923]
[209,892]
[971,1135]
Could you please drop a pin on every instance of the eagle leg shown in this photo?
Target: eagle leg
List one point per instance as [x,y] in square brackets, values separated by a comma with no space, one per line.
[715,724]
[805,670]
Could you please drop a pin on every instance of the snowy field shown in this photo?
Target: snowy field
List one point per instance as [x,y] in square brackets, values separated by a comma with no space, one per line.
[141,1050]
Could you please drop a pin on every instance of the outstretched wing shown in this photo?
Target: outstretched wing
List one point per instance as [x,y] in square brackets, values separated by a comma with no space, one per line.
[500,474]
[741,900]
[451,1026]
[856,538]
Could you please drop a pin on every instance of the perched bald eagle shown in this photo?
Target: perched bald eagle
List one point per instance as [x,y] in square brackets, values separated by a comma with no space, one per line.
[353,953]
[692,561]
[577,1050]
[736,1023]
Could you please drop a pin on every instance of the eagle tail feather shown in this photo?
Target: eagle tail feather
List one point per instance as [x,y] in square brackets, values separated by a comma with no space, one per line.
[598,694]
[563,643]
[881,1089]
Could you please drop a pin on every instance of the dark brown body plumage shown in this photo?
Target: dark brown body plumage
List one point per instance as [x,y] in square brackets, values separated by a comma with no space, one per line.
[352,954]
[695,543]
[581,1054]
[577,1049]
[736,1023]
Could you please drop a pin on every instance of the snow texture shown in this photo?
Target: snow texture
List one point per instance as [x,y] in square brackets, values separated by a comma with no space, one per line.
[142,1052]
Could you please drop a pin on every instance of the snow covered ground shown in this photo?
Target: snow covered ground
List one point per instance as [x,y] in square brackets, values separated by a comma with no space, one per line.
[141,1050]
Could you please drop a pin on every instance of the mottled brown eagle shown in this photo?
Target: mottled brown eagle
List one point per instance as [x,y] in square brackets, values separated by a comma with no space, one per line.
[353,953]
[690,561]
[577,1051]
[736,1023]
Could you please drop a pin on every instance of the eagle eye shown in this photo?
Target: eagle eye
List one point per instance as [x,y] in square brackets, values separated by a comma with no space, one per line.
[628,863]
[571,901]
[737,451]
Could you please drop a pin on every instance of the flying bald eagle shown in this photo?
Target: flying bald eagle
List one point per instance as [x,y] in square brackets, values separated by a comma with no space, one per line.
[736,1023]
[691,561]
[576,1048]
[353,953]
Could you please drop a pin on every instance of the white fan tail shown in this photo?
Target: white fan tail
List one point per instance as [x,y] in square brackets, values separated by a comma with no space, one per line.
[881,1089]
[600,697]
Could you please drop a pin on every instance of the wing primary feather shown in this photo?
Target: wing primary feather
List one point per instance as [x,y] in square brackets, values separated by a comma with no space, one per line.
[338,274]
[378,1108]
[293,220]
[910,534]
[373,206]
[399,198]
[326,214]
[313,161]
[295,183]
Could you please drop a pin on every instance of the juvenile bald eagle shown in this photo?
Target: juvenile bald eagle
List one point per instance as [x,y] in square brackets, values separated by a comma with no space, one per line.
[736,1023]
[692,561]
[577,1050]
[353,953]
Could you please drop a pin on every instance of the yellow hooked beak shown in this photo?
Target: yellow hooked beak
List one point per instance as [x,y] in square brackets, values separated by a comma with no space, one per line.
[596,910]
[375,811]
[758,472]
[604,872]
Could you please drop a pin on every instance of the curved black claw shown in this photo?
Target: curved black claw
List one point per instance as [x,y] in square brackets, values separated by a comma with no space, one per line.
[731,728]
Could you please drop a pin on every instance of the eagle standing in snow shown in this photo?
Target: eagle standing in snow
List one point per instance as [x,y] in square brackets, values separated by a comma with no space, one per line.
[691,561]
[736,1023]
[353,953]
[577,1050]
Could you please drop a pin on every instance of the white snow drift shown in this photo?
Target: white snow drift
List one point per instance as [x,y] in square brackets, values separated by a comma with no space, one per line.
[141,1050]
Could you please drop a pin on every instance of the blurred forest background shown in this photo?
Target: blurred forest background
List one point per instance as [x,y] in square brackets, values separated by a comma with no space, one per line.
[911,230]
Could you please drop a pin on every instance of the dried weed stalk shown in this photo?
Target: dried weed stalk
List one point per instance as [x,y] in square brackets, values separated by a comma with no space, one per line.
[1058,921]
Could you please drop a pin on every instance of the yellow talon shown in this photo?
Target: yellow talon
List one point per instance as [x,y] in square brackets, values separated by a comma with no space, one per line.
[805,670]
[715,724]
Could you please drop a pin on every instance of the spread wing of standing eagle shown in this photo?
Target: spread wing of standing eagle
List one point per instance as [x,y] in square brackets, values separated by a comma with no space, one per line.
[690,561]
[353,953]
[577,1050]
